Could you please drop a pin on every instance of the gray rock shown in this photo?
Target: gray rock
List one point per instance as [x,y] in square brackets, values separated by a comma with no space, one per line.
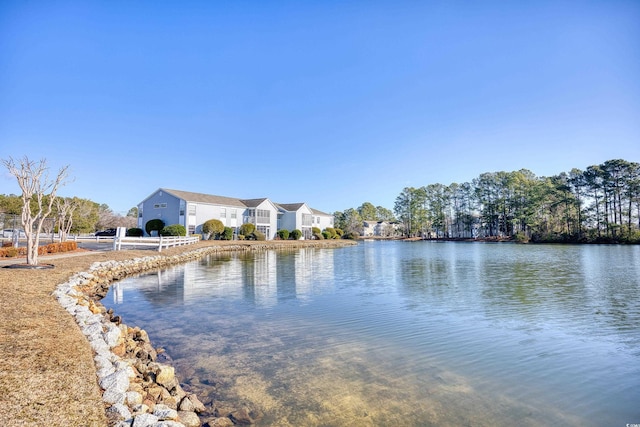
[118,381]
[121,410]
[105,371]
[98,345]
[112,335]
[92,330]
[113,396]
[168,424]
[163,412]
[144,420]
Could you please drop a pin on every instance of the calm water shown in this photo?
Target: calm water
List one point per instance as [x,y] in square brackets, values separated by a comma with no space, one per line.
[405,334]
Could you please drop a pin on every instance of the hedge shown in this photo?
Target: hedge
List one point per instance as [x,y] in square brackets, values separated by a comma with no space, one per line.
[51,248]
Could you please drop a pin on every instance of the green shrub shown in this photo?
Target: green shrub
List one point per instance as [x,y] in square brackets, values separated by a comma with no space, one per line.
[296,234]
[174,230]
[135,232]
[283,234]
[353,235]
[315,230]
[227,234]
[258,235]
[330,233]
[247,229]
[318,235]
[154,225]
[339,232]
[214,228]
[521,237]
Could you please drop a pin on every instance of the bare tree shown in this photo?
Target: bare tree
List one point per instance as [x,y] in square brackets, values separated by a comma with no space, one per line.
[38,196]
[65,208]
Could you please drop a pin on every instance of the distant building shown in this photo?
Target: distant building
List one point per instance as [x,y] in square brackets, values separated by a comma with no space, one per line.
[379,228]
[192,210]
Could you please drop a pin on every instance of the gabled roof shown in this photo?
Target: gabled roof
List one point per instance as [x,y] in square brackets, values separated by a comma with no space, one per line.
[317,212]
[205,198]
[290,207]
[252,203]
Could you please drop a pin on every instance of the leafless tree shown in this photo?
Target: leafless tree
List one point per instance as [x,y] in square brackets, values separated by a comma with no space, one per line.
[65,208]
[38,196]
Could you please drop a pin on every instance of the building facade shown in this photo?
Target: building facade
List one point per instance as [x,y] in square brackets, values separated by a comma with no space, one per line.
[192,210]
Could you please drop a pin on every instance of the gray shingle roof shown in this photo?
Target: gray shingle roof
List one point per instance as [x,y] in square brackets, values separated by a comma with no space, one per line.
[205,198]
[290,207]
[317,212]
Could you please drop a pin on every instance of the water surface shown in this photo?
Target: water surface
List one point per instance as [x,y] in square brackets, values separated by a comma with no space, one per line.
[397,333]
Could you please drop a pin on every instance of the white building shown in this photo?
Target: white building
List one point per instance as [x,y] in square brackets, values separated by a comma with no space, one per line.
[192,210]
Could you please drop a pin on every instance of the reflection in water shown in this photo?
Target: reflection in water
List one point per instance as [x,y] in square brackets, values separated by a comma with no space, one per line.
[393,333]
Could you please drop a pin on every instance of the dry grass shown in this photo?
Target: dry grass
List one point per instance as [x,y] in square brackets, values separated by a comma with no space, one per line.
[47,374]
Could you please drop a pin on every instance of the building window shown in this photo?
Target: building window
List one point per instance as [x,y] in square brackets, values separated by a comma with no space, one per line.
[192,229]
[234,213]
[192,209]
[160,206]
[223,213]
[307,220]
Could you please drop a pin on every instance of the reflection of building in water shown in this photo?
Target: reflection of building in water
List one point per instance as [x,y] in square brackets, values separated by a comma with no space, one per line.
[118,293]
[260,277]
[311,266]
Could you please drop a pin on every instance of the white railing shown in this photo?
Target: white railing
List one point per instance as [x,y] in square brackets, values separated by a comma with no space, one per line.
[89,238]
[160,242]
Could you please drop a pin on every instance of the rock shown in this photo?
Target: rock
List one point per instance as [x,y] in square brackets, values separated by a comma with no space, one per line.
[192,403]
[168,424]
[163,412]
[133,398]
[219,422]
[112,335]
[166,375]
[140,409]
[120,410]
[144,420]
[189,419]
[241,416]
[112,396]
[118,381]
[154,393]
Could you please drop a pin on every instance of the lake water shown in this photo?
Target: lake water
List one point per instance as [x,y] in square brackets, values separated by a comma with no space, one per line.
[404,334]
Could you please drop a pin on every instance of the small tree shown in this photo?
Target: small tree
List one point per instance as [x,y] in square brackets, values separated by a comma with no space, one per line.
[317,234]
[34,182]
[213,228]
[258,235]
[65,208]
[247,229]
[329,232]
[227,234]
[296,234]
[154,225]
[174,230]
[283,234]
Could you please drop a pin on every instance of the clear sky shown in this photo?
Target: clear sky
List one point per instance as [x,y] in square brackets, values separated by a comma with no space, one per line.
[333,103]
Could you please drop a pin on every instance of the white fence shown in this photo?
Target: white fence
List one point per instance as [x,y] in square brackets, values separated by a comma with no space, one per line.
[160,242]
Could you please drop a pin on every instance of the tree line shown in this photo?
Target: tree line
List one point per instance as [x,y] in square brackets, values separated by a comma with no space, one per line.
[351,220]
[598,204]
[75,215]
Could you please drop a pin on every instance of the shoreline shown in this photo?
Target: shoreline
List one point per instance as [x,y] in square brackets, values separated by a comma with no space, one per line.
[44,391]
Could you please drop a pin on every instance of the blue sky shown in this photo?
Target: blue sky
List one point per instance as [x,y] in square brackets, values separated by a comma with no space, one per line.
[334,103]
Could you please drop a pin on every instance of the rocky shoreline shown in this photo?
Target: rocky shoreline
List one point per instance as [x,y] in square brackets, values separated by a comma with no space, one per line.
[138,389]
